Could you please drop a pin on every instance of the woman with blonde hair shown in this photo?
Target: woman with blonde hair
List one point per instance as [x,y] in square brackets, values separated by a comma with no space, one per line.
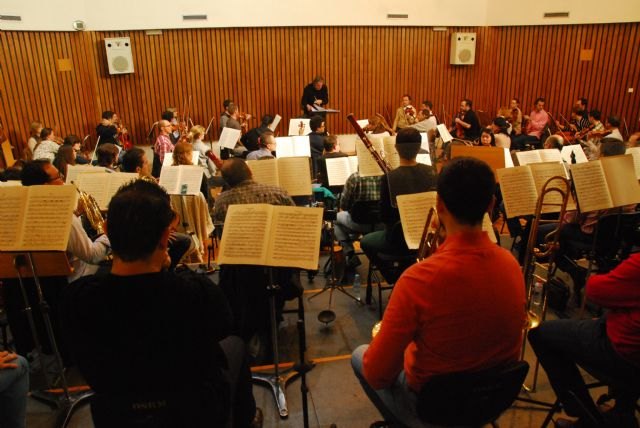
[35,128]
[195,136]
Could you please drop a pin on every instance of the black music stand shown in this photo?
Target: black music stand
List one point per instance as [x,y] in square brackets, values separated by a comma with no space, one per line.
[22,265]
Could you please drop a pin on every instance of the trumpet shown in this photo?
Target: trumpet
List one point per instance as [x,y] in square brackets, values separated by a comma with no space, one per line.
[88,206]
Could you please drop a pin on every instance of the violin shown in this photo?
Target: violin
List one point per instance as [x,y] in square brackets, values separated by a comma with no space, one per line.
[123,137]
[459,131]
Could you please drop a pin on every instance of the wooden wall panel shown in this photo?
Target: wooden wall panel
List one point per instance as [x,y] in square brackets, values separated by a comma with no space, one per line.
[367,70]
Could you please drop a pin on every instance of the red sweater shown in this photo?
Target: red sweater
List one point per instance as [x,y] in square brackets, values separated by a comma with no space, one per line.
[462,309]
[619,291]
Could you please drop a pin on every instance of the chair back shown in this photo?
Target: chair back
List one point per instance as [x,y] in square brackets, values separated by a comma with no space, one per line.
[365,212]
[615,236]
[471,399]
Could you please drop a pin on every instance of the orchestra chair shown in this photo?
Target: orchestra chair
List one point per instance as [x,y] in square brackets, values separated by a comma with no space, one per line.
[471,399]
[631,384]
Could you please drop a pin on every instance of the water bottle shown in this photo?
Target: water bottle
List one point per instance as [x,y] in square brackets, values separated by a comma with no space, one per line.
[356,286]
[536,299]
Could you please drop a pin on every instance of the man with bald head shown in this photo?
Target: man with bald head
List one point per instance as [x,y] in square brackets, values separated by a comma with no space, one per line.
[163,142]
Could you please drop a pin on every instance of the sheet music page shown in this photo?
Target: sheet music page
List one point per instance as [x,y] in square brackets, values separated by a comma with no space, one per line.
[621,180]
[338,170]
[414,209]
[229,137]
[444,133]
[10,183]
[170,179]
[550,155]
[508,160]
[301,146]
[116,181]
[487,226]
[13,200]
[285,147]
[245,234]
[362,123]
[353,163]
[275,123]
[97,185]
[47,219]
[518,191]
[635,152]
[390,153]
[424,158]
[424,144]
[295,175]
[294,126]
[265,171]
[575,148]
[542,172]
[591,186]
[295,237]
[192,177]
[74,170]
[528,157]
[367,165]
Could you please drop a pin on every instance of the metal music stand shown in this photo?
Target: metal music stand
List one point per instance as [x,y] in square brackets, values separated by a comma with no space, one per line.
[22,265]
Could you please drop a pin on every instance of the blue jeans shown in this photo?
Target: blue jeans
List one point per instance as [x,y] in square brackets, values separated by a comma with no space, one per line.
[397,403]
[14,387]
[562,344]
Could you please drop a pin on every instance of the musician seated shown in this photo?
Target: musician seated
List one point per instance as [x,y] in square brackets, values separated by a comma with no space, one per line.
[409,177]
[537,121]
[375,125]
[515,117]
[266,147]
[233,121]
[251,139]
[163,143]
[405,114]
[195,136]
[331,151]
[487,138]
[135,160]
[170,116]
[613,128]
[183,155]
[426,120]
[106,129]
[65,157]
[316,141]
[47,147]
[500,128]
[466,125]
[592,143]
[107,155]
[139,313]
[75,142]
[578,122]
[460,310]
[554,142]
[609,345]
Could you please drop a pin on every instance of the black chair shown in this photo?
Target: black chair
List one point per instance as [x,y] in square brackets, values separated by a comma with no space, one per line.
[471,399]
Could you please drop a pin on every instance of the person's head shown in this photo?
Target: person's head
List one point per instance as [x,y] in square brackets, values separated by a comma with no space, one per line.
[135,160]
[235,171]
[167,115]
[406,100]
[423,115]
[267,140]
[499,125]
[46,134]
[331,144]
[465,191]
[576,113]
[232,110]
[613,121]
[487,138]
[266,120]
[73,141]
[140,220]
[594,115]
[195,133]
[107,155]
[40,171]
[318,82]
[466,105]
[182,154]
[226,103]
[612,147]
[35,128]
[316,123]
[581,104]
[66,156]
[427,105]
[165,127]
[539,104]
[515,103]
[408,141]
[108,115]
[554,142]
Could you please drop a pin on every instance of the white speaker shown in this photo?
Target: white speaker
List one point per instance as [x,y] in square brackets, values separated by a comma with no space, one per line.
[119,55]
[463,49]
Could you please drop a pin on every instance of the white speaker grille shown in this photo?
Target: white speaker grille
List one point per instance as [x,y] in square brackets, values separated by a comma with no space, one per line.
[120,64]
[464,55]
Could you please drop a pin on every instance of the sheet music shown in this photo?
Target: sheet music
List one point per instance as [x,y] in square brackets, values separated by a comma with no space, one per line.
[621,180]
[353,163]
[414,209]
[245,232]
[518,191]
[635,152]
[541,173]
[363,123]
[591,186]
[116,181]
[294,175]
[48,206]
[96,185]
[295,237]
[367,165]
[424,144]
[265,171]
[10,183]
[390,153]
[169,178]
[550,155]
[508,160]
[528,156]
[74,170]
[294,126]
[229,137]
[168,159]
[293,146]
[13,200]
[444,133]
[424,158]
[338,170]
[275,123]
[191,176]
[575,148]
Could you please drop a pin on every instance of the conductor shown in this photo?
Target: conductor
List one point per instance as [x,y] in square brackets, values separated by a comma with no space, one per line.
[314,94]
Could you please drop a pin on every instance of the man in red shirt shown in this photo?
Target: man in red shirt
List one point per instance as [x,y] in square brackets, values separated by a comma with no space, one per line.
[609,345]
[462,309]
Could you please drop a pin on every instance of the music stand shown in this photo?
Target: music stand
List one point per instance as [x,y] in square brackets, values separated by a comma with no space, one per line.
[22,265]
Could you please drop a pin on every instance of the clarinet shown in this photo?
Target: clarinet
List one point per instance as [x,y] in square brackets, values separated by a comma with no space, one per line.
[384,166]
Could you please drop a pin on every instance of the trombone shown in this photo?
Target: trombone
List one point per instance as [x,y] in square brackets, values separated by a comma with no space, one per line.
[554,197]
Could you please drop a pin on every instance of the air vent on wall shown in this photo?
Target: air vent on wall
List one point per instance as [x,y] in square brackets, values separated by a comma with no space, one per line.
[397,16]
[556,14]
[10,18]
[194,17]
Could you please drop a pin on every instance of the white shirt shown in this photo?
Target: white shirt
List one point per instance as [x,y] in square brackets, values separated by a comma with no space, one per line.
[84,254]
[203,160]
[503,140]
[426,125]
[615,134]
[47,149]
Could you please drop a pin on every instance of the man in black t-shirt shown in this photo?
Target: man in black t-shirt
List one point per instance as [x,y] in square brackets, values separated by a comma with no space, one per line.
[142,336]
[468,123]
[106,129]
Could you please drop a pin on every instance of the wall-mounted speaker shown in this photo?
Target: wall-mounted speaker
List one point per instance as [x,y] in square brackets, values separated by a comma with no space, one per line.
[463,49]
[119,55]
